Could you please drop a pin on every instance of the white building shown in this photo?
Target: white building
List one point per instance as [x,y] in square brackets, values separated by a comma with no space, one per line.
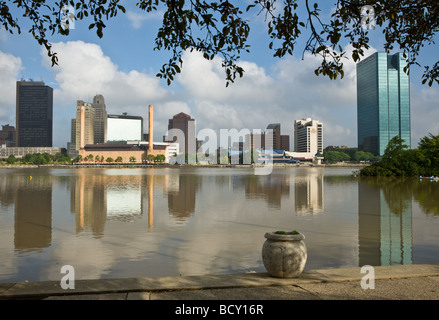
[308,139]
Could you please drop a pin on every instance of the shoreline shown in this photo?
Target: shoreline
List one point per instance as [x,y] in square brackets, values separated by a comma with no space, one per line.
[129,165]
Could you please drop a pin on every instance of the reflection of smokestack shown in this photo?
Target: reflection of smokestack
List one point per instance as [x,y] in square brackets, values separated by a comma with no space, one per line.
[82,141]
[150,201]
[151,128]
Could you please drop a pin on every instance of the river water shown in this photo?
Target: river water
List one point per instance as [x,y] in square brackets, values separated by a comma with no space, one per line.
[117,223]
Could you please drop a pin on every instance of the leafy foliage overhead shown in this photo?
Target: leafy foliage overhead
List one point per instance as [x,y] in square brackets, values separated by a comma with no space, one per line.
[221,28]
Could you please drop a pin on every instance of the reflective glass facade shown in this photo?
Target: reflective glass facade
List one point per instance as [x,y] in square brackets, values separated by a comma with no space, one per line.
[383,102]
[34,114]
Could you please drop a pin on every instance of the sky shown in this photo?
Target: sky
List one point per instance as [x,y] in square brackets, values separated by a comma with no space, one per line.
[122,66]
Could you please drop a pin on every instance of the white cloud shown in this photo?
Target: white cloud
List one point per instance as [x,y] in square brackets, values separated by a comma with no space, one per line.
[83,71]
[137,19]
[10,68]
[291,91]
[424,106]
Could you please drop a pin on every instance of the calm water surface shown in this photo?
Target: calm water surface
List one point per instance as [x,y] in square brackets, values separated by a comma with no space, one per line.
[112,223]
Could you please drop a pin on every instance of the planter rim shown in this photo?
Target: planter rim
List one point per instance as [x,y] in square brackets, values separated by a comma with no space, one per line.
[284,237]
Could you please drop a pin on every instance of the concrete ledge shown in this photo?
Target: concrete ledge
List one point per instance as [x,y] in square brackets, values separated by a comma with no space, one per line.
[38,290]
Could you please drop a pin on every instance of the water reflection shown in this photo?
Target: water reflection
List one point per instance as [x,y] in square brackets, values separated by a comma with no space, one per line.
[181,191]
[426,193]
[163,222]
[385,222]
[96,198]
[33,213]
[272,188]
[308,192]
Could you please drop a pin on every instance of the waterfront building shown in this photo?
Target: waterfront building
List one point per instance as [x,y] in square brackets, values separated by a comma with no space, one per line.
[100,122]
[186,126]
[7,136]
[20,152]
[95,129]
[280,142]
[84,134]
[383,102]
[125,142]
[260,140]
[308,136]
[34,114]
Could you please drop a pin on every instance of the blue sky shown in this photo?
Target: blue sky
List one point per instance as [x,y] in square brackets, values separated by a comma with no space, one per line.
[122,67]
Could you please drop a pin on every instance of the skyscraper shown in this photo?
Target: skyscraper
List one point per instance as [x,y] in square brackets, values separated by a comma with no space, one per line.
[84,113]
[308,136]
[383,102]
[100,122]
[280,141]
[186,126]
[34,114]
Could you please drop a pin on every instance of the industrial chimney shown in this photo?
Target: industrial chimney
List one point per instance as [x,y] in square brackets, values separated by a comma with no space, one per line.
[151,129]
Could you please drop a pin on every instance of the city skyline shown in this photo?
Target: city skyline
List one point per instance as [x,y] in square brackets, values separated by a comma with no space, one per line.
[271,90]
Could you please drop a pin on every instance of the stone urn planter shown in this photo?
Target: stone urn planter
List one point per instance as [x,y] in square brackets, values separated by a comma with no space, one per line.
[284,254]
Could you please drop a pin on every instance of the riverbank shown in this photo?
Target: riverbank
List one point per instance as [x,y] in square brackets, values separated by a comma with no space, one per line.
[164,165]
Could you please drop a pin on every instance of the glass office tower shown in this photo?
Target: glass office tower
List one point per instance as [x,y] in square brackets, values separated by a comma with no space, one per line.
[383,102]
[34,114]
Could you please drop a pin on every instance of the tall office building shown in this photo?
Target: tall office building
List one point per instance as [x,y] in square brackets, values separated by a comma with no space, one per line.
[86,113]
[34,114]
[261,140]
[100,122]
[308,136]
[383,102]
[186,125]
[280,141]
[95,129]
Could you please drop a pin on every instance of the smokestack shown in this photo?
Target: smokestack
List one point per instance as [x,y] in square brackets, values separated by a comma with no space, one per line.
[151,128]
[82,141]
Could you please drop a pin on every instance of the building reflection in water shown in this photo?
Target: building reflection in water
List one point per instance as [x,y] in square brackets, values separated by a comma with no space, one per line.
[308,192]
[33,213]
[96,198]
[385,223]
[269,187]
[182,190]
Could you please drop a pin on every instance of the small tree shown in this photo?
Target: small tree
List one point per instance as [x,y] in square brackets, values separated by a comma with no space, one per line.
[11,159]
[160,158]
[150,158]
[109,159]
[118,159]
[27,158]
[132,159]
[63,158]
